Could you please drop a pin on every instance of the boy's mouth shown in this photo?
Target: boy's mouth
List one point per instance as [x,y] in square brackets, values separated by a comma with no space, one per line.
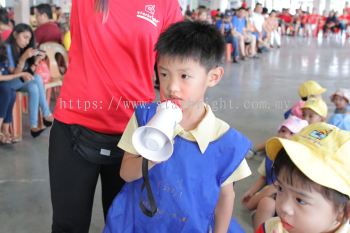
[286,225]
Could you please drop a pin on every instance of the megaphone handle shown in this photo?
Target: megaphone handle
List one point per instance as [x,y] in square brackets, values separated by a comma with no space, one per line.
[153,206]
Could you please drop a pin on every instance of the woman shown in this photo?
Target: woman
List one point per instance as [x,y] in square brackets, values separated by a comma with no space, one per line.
[23,57]
[7,96]
[111,66]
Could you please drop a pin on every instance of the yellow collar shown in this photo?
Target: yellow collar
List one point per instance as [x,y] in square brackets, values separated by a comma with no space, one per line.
[209,129]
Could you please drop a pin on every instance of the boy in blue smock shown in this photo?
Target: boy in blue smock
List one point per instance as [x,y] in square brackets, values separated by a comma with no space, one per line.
[341,116]
[193,189]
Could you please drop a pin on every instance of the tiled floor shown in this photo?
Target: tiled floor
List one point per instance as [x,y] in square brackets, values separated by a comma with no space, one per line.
[252,97]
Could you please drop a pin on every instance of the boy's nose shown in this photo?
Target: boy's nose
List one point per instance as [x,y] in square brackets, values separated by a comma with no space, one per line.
[173,86]
[286,209]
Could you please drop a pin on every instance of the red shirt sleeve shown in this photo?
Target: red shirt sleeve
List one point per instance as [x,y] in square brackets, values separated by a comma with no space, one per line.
[260,229]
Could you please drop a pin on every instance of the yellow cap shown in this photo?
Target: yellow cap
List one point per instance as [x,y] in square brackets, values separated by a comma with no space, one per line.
[317,105]
[310,88]
[321,152]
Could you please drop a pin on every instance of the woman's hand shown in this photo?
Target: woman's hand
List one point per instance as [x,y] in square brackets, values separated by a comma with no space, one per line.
[30,52]
[27,76]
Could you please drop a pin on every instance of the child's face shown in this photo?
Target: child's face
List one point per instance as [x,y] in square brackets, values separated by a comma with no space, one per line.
[302,210]
[340,102]
[203,16]
[311,116]
[284,132]
[185,80]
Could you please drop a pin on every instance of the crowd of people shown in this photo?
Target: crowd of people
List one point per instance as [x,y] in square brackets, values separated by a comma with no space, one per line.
[304,184]
[21,61]
[252,30]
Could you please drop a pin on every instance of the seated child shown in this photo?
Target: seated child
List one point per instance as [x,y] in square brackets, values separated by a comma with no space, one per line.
[313,181]
[193,189]
[261,195]
[308,89]
[341,116]
[315,110]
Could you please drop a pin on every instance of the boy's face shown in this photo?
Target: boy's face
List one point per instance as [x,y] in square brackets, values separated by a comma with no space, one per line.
[304,210]
[284,132]
[203,16]
[340,102]
[185,80]
[311,116]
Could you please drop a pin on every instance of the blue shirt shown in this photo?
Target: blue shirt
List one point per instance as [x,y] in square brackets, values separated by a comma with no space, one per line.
[186,187]
[239,24]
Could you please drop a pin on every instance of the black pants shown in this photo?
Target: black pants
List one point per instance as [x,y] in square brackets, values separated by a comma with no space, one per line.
[73,181]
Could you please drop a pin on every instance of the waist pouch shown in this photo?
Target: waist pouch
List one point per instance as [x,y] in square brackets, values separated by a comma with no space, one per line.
[96,147]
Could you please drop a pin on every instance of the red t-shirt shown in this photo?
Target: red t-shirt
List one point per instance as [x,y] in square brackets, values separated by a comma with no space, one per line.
[260,229]
[348,10]
[304,19]
[313,18]
[344,18]
[48,32]
[111,64]
[287,18]
[5,34]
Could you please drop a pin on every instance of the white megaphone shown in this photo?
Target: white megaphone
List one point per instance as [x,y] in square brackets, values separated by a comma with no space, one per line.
[154,141]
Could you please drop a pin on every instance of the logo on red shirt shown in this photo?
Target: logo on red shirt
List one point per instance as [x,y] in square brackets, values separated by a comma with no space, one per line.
[148,14]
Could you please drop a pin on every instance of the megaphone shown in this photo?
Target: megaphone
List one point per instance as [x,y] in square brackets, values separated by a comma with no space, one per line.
[154,141]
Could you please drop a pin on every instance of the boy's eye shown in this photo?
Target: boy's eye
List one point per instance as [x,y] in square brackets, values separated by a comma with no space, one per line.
[300,201]
[162,74]
[279,188]
[184,76]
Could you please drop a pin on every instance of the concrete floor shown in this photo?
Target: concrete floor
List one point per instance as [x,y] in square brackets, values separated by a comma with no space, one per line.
[252,97]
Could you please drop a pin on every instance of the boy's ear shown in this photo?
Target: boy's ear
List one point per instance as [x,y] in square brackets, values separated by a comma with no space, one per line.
[348,210]
[343,213]
[215,76]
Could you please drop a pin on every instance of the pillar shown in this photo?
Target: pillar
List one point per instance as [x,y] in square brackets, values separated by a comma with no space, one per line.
[251,3]
[21,8]
[328,6]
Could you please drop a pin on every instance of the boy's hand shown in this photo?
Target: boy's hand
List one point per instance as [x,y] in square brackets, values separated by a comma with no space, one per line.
[246,197]
[268,190]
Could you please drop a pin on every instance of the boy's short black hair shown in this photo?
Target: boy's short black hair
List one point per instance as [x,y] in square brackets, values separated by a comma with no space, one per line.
[293,176]
[195,40]
[265,10]
[44,9]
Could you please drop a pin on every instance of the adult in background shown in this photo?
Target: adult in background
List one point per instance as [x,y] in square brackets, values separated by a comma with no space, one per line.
[47,30]
[5,28]
[111,65]
[23,57]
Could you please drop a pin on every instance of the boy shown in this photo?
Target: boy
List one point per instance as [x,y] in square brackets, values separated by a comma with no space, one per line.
[193,189]
[313,181]
[314,110]
[341,116]
[260,196]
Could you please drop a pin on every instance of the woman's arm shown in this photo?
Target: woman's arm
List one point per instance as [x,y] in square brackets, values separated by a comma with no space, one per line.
[131,168]
[26,76]
[22,61]
[224,209]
